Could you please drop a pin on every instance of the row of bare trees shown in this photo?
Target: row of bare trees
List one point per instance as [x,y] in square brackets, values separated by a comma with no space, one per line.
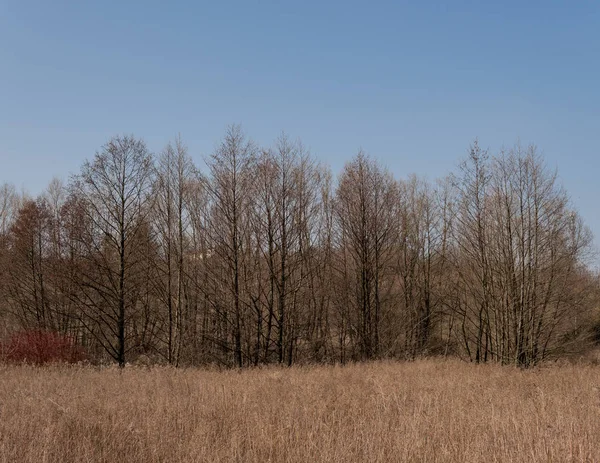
[263,257]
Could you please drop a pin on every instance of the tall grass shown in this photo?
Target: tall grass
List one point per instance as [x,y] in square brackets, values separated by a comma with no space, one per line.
[378,412]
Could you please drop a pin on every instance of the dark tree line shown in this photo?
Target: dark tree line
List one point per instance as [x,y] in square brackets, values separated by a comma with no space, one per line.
[263,257]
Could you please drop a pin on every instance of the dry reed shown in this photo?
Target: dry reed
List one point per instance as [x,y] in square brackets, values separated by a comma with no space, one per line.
[424,411]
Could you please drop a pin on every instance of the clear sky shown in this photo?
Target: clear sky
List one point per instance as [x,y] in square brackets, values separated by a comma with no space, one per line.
[411,83]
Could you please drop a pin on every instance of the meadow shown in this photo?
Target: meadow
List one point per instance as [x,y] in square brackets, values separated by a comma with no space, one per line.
[423,411]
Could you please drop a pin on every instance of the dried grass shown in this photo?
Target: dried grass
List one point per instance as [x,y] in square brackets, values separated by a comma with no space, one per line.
[424,411]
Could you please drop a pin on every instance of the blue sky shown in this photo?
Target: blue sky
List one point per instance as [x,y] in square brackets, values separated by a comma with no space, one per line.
[411,83]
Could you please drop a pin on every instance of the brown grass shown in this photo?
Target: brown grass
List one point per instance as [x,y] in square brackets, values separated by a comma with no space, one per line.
[423,411]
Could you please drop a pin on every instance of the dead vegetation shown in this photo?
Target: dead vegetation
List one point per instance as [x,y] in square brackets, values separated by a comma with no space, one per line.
[428,410]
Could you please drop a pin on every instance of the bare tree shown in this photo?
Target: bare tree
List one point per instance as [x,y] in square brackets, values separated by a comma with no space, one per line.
[9,205]
[28,268]
[115,189]
[268,259]
[519,254]
[420,255]
[203,318]
[472,259]
[265,230]
[231,168]
[366,204]
[175,171]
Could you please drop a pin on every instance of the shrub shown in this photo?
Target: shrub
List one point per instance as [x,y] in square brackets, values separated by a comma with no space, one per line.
[40,347]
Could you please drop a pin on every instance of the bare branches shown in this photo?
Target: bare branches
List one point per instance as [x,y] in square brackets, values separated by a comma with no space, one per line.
[115,191]
[269,258]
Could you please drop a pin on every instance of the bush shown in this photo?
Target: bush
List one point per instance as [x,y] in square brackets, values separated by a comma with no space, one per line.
[40,347]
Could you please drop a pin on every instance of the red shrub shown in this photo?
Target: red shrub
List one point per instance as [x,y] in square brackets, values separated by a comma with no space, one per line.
[39,347]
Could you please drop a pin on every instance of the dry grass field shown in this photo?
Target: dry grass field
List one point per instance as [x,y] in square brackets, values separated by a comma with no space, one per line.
[379,412]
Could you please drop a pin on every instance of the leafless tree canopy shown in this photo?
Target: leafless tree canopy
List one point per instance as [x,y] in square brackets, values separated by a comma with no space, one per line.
[262,256]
